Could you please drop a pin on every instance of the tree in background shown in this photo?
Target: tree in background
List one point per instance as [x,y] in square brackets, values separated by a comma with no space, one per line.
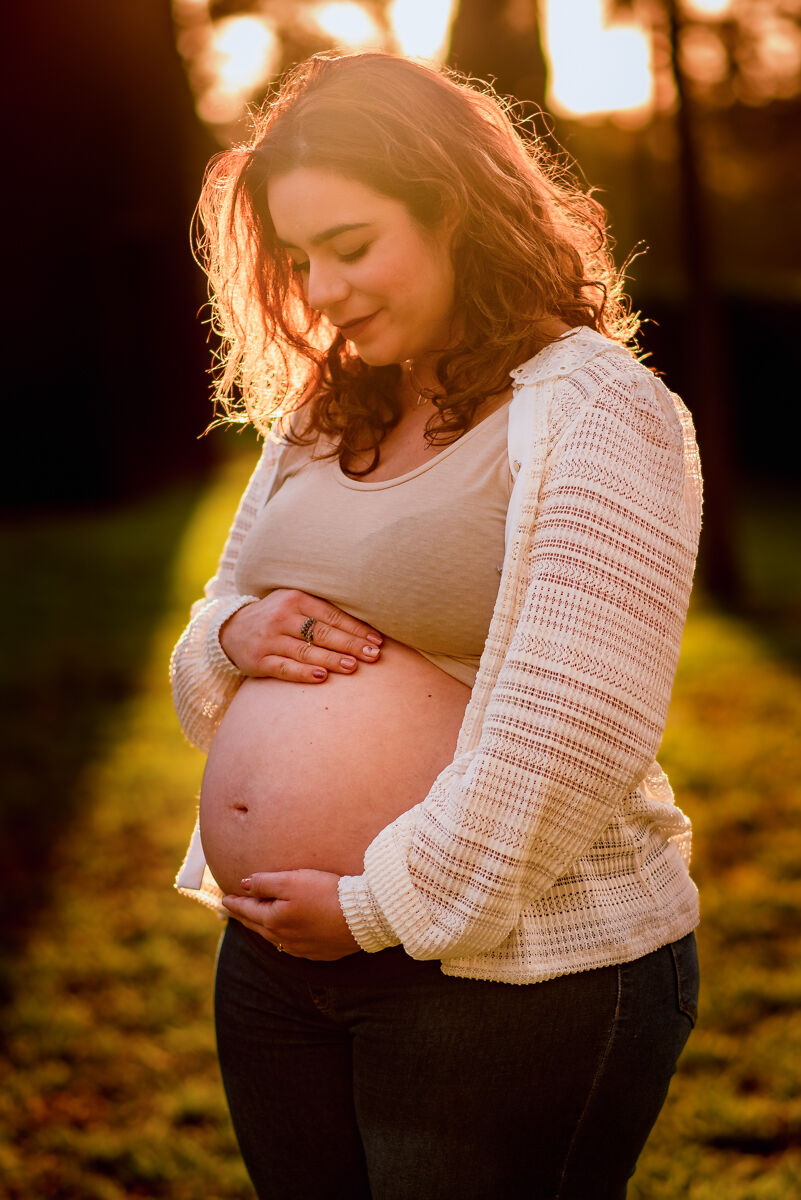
[501,42]
[719,150]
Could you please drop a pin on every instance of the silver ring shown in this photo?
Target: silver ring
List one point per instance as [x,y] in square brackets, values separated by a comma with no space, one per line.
[307,629]
[279,947]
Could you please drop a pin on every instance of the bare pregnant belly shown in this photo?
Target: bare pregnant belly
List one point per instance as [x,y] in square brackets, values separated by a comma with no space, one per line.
[306,776]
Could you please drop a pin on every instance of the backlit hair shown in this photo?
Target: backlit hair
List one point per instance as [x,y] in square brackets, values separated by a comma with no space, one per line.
[528,245]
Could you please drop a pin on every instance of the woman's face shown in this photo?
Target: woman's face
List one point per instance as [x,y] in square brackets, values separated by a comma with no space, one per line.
[383,279]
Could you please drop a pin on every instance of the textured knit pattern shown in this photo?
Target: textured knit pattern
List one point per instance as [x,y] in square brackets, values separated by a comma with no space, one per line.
[551,843]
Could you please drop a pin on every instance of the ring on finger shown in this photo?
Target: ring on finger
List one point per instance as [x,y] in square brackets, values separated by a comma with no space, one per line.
[307,629]
[279,947]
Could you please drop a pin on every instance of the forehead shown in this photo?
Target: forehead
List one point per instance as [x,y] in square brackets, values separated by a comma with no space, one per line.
[306,202]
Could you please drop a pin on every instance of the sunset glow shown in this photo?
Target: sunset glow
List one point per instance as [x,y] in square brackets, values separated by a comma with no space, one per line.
[706,8]
[595,67]
[422,26]
[243,48]
[348,23]
[227,61]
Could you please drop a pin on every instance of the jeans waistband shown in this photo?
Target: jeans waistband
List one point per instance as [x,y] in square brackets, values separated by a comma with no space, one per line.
[385,966]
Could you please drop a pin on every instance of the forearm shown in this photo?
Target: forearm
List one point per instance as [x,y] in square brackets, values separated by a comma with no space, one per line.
[578,711]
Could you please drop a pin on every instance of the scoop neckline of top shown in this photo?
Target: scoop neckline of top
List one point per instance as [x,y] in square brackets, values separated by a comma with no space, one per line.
[377,485]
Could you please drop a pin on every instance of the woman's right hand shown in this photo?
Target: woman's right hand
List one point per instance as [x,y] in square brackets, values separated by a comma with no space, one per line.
[264,638]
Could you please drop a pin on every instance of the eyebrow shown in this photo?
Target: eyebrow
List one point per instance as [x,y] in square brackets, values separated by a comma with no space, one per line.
[327,234]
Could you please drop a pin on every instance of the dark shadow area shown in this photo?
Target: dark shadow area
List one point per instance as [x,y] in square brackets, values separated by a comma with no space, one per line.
[88,591]
[761,349]
[770,524]
[760,345]
[106,388]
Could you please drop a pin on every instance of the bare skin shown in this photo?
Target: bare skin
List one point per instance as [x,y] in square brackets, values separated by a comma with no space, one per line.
[300,780]
[370,744]
[307,776]
[263,639]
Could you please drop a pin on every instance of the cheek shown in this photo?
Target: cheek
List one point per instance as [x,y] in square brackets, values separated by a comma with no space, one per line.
[377,276]
[425,279]
[439,286]
[415,280]
[392,284]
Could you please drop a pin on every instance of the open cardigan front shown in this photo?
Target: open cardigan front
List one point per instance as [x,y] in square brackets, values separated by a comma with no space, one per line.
[551,843]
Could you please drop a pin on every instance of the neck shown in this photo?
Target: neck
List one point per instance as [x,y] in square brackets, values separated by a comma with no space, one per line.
[419,384]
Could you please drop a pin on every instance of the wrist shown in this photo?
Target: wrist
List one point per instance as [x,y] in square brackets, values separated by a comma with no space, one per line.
[218,659]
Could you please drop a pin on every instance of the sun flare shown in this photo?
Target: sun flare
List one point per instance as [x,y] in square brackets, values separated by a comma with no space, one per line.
[422,26]
[595,67]
[347,23]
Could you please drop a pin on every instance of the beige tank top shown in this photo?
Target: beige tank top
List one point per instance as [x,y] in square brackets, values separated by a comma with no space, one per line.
[418,557]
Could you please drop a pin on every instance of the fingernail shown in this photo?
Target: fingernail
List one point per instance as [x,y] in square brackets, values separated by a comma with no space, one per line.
[245,883]
[319,673]
[371,650]
[347,662]
[375,638]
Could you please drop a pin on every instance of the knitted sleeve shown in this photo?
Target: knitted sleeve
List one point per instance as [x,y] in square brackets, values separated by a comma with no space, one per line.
[580,701]
[203,679]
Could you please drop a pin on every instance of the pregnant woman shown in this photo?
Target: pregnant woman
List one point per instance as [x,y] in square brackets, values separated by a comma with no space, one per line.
[433,669]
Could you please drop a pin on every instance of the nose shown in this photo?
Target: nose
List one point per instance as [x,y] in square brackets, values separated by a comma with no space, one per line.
[326,286]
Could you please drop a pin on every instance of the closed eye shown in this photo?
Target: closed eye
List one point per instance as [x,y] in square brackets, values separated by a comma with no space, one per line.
[300,268]
[354,255]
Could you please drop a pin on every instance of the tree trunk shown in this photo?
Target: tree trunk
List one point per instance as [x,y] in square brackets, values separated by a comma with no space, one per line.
[709,393]
[501,42]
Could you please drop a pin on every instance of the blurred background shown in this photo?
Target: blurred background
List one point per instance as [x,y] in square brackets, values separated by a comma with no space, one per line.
[686,115]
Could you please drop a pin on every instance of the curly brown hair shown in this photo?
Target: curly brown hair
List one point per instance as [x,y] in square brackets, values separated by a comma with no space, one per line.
[528,245]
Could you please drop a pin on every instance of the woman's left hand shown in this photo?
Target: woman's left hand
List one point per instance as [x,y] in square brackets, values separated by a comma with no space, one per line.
[296,910]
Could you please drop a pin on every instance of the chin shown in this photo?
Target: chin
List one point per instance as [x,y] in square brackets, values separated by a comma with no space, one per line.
[376,357]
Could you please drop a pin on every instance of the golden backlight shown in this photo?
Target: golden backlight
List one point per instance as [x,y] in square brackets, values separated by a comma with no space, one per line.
[417,27]
[347,23]
[598,65]
[241,54]
[421,26]
[706,8]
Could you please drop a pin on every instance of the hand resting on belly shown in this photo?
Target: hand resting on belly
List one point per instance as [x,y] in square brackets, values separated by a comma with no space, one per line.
[265,638]
[306,776]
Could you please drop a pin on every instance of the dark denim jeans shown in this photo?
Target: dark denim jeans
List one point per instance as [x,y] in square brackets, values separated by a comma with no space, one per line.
[378,1076]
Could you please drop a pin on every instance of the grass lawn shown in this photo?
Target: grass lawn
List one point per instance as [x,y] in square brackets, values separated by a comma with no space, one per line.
[110,1086]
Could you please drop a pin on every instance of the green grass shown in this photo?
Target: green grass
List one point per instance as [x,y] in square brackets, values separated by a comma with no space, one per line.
[110,1087]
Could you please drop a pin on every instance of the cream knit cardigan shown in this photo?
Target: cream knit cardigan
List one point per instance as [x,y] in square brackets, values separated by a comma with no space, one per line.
[551,843]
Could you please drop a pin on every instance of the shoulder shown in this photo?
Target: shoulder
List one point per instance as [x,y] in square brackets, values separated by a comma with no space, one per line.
[286,457]
[591,377]
[607,420]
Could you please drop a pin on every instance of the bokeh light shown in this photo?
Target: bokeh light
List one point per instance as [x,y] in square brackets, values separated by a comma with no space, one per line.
[227,60]
[596,67]
[243,49]
[706,8]
[422,26]
[600,58]
[347,23]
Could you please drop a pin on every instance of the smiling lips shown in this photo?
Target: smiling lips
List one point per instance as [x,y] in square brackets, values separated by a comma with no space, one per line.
[354,328]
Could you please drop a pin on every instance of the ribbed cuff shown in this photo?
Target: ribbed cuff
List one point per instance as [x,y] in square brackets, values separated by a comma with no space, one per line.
[393,894]
[217,659]
[365,919]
